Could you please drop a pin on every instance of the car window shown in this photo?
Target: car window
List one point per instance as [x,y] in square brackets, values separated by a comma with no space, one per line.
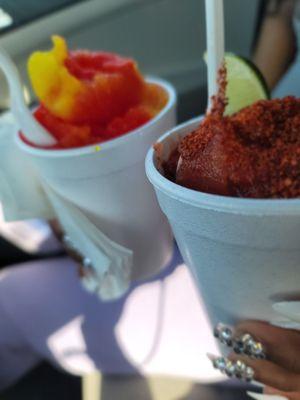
[14,13]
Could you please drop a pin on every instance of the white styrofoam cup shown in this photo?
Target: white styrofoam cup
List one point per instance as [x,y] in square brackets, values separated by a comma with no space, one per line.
[243,253]
[110,187]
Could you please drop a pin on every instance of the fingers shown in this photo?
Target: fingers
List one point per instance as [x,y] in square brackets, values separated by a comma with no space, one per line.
[280,345]
[242,343]
[270,373]
[260,339]
[263,353]
[67,244]
[232,368]
[266,372]
[86,271]
[56,228]
[274,392]
[84,263]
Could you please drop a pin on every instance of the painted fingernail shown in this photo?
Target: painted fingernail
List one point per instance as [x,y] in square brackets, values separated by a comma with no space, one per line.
[224,334]
[258,396]
[237,369]
[246,344]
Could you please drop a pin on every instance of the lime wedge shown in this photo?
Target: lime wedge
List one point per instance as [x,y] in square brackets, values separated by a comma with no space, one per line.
[245,83]
[245,86]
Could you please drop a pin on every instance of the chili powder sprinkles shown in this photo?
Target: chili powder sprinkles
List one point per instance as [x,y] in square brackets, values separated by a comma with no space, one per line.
[254,153]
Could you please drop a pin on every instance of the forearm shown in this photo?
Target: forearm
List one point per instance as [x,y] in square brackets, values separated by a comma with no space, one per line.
[276,43]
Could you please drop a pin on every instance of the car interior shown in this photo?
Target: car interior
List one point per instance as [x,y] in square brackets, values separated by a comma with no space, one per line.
[168,39]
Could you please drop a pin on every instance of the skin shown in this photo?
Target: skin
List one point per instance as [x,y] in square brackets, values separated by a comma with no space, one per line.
[274,52]
[58,232]
[276,45]
[280,372]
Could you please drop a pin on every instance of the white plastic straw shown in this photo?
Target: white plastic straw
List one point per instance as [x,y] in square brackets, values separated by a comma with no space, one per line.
[215,42]
[33,131]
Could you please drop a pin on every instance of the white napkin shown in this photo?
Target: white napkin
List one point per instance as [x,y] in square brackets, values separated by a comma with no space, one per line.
[24,195]
[20,190]
[111,263]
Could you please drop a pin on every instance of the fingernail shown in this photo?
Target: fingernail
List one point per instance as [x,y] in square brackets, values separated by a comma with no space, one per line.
[224,334]
[237,369]
[289,309]
[246,344]
[258,396]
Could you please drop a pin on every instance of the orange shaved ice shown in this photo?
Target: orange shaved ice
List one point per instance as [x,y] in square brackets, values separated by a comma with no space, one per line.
[89,97]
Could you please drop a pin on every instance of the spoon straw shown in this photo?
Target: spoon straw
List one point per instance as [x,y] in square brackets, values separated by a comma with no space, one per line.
[215,47]
[33,131]
[215,43]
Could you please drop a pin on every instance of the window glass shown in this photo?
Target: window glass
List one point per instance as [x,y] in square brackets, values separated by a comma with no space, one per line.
[14,13]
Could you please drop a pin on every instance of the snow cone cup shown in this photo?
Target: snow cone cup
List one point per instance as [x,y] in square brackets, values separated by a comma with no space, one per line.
[108,184]
[244,254]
